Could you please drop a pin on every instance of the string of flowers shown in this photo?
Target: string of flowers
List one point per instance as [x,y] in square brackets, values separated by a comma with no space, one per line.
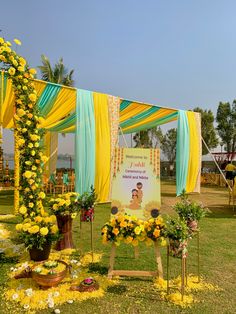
[131,230]
[28,132]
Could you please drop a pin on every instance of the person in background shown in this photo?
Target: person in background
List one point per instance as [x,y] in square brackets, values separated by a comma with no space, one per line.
[230,171]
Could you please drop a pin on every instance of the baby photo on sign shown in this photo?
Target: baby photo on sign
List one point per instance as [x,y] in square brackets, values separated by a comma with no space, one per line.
[136,182]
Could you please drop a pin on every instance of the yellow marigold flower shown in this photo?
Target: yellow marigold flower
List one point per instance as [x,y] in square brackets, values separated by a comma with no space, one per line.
[12,71]
[34,168]
[156,233]
[123,224]
[36,144]
[33,153]
[28,122]
[30,145]
[15,63]
[137,230]
[1,40]
[34,137]
[28,162]
[129,239]
[38,219]
[25,87]
[34,229]
[73,215]
[7,49]
[134,242]
[32,97]
[47,220]
[53,218]
[26,226]
[28,174]
[67,202]
[21,142]
[115,231]
[8,43]
[2,58]
[44,158]
[55,206]
[31,205]
[22,210]
[37,161]
[44,231]
[21,112]
[19,227]
[24,130]
[29,115]
[32,71]
[54,229]
[21,68]
[17,41]
[31,181]
[22,61]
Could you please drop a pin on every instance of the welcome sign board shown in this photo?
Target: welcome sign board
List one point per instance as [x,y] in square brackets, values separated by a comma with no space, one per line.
[136,182]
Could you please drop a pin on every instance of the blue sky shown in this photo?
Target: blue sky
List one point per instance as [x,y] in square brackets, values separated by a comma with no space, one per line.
[179,54]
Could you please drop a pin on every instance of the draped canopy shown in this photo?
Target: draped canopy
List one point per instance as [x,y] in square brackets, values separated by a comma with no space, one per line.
[95,118]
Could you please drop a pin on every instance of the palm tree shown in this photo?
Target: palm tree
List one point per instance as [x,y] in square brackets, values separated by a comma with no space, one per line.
[57,74]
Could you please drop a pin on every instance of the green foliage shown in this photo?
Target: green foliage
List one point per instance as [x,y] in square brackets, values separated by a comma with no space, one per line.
[189,210]
[57,74]
[176,229]
[148,138]
[226,119]
[207,128]
[168,144]
[87,199]
[36,240]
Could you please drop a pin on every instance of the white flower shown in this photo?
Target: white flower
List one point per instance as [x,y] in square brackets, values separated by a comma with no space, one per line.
[73,261]
[38,269]
[51,305]
[29,292]
[12,269]
[57,311]
[70,301]
[56,294]
[78,264]
[26,306]
[49,295]
[74,276]
[15,296]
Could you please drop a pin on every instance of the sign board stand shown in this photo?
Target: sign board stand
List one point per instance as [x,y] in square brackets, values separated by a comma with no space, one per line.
[135,273]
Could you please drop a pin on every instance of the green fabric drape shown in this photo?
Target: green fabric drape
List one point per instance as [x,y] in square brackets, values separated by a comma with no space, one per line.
[182,152]
[84,142]
[47,99]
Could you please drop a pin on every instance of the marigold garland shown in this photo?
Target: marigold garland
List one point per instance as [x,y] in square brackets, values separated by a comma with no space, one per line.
[28,134]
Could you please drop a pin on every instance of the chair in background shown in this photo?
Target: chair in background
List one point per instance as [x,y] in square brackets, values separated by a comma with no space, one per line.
[71,185]
[59,187]
[51,183]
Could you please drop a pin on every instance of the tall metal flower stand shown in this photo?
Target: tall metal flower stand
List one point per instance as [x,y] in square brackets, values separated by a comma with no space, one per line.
[184,272]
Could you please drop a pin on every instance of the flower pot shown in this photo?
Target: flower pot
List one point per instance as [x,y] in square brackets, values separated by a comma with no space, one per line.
[65,228]
[177,248]
[87,214]
[40,255]
[192,225]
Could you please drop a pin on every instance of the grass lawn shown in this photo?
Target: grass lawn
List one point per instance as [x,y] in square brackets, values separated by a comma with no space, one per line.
[136,295]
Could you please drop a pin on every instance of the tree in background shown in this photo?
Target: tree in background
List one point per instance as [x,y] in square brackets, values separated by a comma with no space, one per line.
[148,138]
[207,127]
[226,119]
[57,74]
[168,145]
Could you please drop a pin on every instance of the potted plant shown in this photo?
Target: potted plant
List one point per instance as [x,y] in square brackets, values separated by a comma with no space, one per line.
[86,203]
[189,211]
[38,234]
[65,207]
[177,233]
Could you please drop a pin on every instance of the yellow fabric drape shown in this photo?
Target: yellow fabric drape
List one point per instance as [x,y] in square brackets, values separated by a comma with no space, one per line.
[157,115]
[64,105]
[132,110]
[8,106]
[50,150]
[103,146]
[194,165]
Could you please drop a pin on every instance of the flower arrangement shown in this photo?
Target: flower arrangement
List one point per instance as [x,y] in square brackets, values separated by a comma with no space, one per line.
[38,232]
[131,230]
[87,199]
[49,267]
[177,233]
[189,211]
[28,134]
[65,204]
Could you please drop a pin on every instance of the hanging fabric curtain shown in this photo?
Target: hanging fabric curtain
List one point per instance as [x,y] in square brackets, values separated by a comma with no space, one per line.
[84,142]
[188,153]
[50,144]
[103,146]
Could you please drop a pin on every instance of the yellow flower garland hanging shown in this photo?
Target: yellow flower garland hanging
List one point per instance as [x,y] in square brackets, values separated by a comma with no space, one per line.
[27,131]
